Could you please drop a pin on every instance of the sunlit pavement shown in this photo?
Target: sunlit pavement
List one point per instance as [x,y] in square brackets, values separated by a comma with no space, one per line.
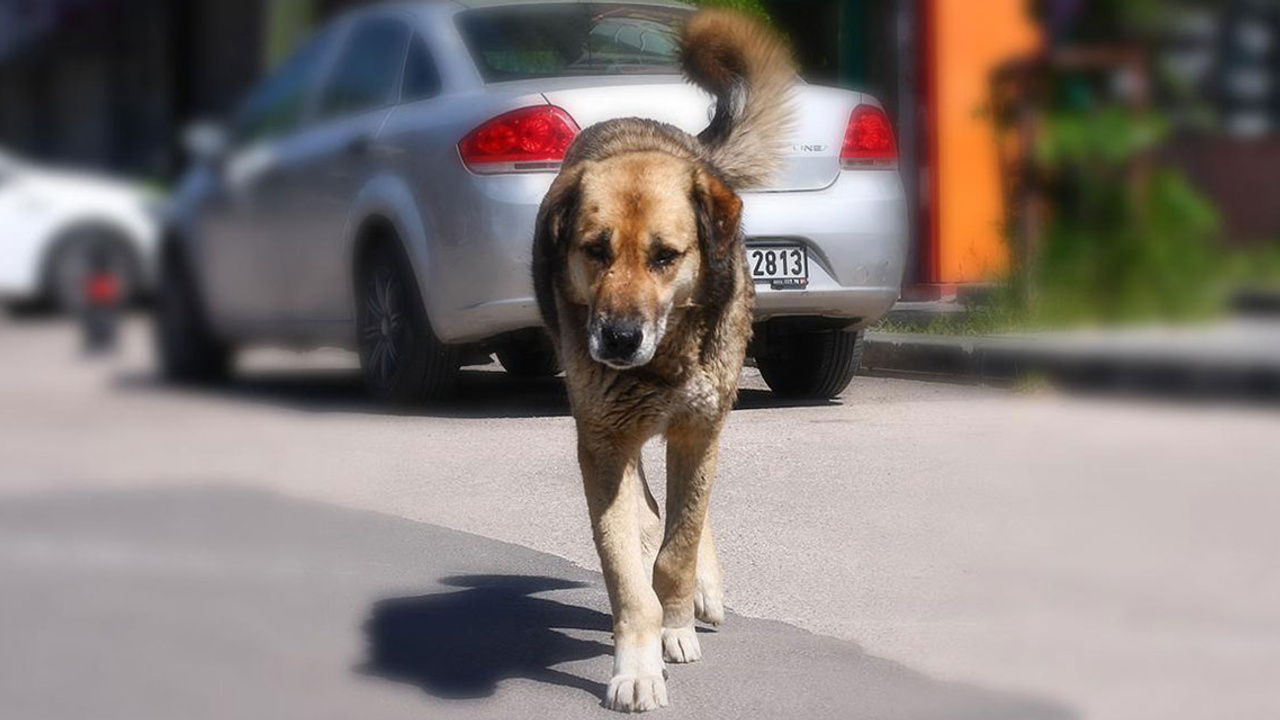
[285,548]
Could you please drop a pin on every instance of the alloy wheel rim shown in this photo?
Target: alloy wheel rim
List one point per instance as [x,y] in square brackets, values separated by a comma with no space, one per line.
[383,327]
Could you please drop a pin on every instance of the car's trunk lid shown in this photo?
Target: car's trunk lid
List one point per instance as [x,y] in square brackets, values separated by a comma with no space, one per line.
[813,155]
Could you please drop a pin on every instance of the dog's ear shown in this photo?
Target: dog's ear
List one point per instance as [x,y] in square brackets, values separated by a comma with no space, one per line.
[552,234]
[719,211]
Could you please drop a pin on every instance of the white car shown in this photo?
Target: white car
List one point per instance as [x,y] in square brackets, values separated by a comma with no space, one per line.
[52,222]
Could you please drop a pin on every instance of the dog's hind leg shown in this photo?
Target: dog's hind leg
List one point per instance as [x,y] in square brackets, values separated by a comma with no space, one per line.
[708,592]
[612,483]
[691,468]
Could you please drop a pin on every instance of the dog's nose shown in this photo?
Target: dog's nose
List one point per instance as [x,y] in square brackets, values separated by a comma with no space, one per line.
[621,338]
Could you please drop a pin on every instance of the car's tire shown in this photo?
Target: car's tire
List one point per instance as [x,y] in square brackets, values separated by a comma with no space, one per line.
[815,365]
[532,355]
[188,350]
[26,309]
[69,263]
[402,359]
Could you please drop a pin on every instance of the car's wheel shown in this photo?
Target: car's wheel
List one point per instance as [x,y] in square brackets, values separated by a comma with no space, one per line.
[402,359]
[85,250]
[531,355]
[188,350]
[811,365]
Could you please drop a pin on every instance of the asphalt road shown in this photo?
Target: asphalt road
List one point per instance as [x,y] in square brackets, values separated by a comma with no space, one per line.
[283,548]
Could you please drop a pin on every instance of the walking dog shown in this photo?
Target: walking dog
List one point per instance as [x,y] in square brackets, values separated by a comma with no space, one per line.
[642,282]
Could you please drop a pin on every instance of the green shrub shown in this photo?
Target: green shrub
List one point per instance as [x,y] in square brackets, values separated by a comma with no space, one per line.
[1127,239]
[753,7]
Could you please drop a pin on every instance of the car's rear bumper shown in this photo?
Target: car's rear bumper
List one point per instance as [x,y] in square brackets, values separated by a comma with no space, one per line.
[478,284]
[856,235]
[859,306]
[20,250]
[16,282]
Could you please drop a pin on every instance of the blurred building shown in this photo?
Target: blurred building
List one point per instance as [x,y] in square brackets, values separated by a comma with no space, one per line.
[1225,60]
[106,83]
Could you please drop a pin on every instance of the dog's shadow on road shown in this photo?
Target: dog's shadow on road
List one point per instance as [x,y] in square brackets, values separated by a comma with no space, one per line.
[460,645]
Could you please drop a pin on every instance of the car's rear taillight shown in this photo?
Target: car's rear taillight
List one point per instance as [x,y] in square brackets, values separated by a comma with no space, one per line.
[524,140]
[869,141]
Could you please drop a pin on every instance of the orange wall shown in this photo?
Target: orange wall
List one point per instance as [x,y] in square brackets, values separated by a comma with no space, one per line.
[971,37]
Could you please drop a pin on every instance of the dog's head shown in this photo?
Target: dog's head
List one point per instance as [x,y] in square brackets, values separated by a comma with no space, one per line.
[636,236]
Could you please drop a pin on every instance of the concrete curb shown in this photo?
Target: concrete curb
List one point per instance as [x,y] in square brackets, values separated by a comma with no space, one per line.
[1240,359]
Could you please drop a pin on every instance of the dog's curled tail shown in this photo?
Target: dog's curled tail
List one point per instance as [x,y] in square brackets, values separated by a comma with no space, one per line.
[749,71]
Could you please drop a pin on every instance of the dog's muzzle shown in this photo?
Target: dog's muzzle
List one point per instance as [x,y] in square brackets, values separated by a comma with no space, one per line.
[621,344]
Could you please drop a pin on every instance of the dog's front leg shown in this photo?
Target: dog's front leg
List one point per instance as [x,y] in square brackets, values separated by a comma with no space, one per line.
[614,498]
[692,449]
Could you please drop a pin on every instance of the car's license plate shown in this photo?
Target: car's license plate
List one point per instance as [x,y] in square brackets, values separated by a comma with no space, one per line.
[782,266]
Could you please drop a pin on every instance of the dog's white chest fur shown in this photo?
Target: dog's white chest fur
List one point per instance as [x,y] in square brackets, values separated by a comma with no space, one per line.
[700,396]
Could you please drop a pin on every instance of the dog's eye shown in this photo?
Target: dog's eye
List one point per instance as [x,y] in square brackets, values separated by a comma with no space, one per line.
[597,251]
[665,257]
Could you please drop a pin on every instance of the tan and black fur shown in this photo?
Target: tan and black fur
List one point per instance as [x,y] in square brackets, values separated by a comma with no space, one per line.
[642,282]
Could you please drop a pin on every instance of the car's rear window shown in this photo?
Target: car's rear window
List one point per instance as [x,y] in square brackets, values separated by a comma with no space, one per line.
[518,42]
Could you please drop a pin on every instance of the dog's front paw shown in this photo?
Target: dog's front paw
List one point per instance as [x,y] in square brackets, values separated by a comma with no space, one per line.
[708,602]
[636,693]
[639,677]
[680,645]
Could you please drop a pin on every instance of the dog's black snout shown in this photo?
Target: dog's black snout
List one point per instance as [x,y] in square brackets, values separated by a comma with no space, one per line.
[621,338]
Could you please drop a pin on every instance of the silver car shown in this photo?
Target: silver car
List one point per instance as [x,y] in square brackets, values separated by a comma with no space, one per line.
[379,193]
